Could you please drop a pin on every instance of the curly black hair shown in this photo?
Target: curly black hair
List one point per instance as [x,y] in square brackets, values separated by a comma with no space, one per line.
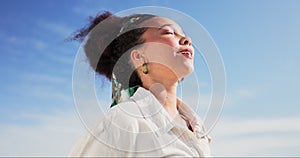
[104,51]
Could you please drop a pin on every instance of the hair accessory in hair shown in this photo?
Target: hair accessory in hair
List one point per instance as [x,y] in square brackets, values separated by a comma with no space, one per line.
[128,22]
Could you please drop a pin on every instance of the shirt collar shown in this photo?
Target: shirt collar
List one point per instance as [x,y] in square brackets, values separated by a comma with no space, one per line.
[152,110]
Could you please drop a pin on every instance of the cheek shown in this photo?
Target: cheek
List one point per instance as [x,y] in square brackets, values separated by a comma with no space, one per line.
[158,52]
[170,42]
[166,57]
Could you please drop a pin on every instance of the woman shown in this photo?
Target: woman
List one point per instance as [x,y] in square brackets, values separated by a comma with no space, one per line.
[145,61]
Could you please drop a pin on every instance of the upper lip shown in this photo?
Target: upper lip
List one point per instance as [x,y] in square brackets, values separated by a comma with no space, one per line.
[189,50]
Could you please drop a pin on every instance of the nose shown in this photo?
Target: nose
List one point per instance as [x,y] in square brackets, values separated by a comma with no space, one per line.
[185,41]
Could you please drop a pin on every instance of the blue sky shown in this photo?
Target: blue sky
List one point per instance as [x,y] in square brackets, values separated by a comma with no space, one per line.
[258,40]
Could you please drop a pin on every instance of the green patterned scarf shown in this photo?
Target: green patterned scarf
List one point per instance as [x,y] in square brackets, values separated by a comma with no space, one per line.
[118,94]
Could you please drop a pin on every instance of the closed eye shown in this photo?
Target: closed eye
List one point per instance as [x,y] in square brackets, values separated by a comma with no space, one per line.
[168,29]
[169,33]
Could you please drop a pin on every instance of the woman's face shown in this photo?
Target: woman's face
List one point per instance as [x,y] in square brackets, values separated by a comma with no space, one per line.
[168,52]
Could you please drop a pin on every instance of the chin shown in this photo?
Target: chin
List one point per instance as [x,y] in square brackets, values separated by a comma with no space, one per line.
[186,71]
[190,71]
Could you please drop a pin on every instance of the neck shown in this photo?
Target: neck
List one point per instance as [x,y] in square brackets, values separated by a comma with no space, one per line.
[166,95]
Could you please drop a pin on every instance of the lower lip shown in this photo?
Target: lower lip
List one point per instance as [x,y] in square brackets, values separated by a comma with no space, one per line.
[186,55]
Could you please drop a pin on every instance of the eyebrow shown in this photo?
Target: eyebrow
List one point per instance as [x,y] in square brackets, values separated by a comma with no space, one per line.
[162,26]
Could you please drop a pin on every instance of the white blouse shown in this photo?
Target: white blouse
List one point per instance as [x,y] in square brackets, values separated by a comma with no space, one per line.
[142,127]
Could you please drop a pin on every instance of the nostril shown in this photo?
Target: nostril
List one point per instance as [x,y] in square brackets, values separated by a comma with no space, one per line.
[186,42]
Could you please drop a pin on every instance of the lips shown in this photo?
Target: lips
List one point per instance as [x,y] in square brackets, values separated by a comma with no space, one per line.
[188,53]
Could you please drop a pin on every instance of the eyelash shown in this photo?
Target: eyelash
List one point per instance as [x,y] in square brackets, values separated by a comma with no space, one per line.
[169,33]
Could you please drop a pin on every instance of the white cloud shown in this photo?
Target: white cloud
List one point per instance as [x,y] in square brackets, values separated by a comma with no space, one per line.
[36,44]
[241,94]
[53,135]
[42,86]
[39,45]
[257,137]
[246,92]
[37,48]
[58,28]
[45,78]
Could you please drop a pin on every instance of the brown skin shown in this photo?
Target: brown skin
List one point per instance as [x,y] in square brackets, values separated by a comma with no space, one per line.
[165,66]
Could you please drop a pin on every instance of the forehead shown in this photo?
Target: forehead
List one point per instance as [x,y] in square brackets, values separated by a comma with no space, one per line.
[159,22]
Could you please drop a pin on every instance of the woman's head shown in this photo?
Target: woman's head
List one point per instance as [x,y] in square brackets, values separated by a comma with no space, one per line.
[168,52]
[142,38]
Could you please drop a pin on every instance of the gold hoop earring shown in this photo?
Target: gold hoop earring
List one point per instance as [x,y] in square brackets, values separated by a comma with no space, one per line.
[145,68]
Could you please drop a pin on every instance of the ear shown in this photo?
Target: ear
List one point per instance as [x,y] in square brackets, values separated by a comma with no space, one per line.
[137,57]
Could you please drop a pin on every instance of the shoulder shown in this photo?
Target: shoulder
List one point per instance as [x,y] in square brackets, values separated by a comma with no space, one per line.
[125,115]
[123,127]
[114,135]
